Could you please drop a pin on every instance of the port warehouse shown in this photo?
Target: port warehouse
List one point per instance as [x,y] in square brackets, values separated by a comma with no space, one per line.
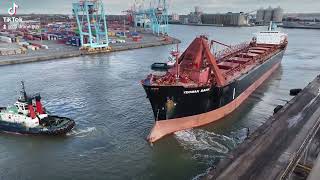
[262,17]
[228,19]
[225,19]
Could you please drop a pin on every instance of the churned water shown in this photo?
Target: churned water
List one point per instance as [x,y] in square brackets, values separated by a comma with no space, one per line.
[103,94]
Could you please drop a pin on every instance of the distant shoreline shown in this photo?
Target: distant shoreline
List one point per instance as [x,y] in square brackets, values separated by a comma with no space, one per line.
[213,25]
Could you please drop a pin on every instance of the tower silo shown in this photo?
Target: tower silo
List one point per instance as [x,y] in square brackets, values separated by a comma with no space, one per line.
[268,15]
[277,14]
[260,16]
[197,9]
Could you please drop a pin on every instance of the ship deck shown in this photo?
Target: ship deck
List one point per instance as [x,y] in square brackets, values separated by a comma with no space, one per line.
[239,63]
[230,65]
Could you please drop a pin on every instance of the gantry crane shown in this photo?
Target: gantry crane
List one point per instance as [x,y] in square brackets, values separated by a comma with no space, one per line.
[157,14]
[159,17]
[91,20]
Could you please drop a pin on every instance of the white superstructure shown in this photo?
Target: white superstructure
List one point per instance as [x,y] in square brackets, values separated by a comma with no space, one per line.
[19,113]
[271,36]
[23,111]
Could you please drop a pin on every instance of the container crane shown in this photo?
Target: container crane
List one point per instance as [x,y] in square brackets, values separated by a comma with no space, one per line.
[91,20]
[159,18]
[155,17]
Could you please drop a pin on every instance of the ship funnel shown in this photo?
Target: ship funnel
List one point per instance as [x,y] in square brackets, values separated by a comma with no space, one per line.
[31,110]
[39,104]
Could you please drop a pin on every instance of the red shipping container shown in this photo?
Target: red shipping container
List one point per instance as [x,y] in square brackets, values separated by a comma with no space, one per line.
[35,44]
[29,37]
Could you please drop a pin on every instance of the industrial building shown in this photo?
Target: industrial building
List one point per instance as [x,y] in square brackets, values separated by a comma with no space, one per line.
[228,19]
[193,17]
[264,16]
[175,18]
[119,18]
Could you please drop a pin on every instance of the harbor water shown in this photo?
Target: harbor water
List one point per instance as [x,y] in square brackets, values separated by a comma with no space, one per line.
[104,96]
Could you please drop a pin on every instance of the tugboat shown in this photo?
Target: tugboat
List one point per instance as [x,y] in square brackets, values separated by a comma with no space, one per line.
[165,66]
[159,66]
[203,87]
[28,116]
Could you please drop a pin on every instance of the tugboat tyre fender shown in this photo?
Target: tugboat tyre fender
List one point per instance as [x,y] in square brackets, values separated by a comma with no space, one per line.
[294,92]
[277,109]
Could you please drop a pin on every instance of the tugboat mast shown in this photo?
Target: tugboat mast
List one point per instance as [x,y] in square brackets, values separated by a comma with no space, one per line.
[23,92]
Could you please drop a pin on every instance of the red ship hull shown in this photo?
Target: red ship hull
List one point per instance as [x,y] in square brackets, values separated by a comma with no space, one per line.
[178,105]
[166,127]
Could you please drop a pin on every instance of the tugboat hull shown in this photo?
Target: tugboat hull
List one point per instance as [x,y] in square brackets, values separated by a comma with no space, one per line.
[65,126]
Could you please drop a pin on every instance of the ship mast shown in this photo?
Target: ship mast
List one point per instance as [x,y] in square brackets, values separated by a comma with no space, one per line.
[176,55]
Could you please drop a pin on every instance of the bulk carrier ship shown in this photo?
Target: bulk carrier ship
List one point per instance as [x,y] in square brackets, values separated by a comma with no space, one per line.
[202,88]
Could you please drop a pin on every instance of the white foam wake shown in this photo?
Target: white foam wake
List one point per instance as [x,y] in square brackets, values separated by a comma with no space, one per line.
[81,132]
[202,175]
[205,147]
[199,140]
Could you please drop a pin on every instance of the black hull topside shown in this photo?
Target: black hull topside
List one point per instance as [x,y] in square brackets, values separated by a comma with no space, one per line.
[172,102]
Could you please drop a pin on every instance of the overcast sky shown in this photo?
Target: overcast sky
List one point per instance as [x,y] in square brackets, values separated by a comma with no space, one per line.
[176,6]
